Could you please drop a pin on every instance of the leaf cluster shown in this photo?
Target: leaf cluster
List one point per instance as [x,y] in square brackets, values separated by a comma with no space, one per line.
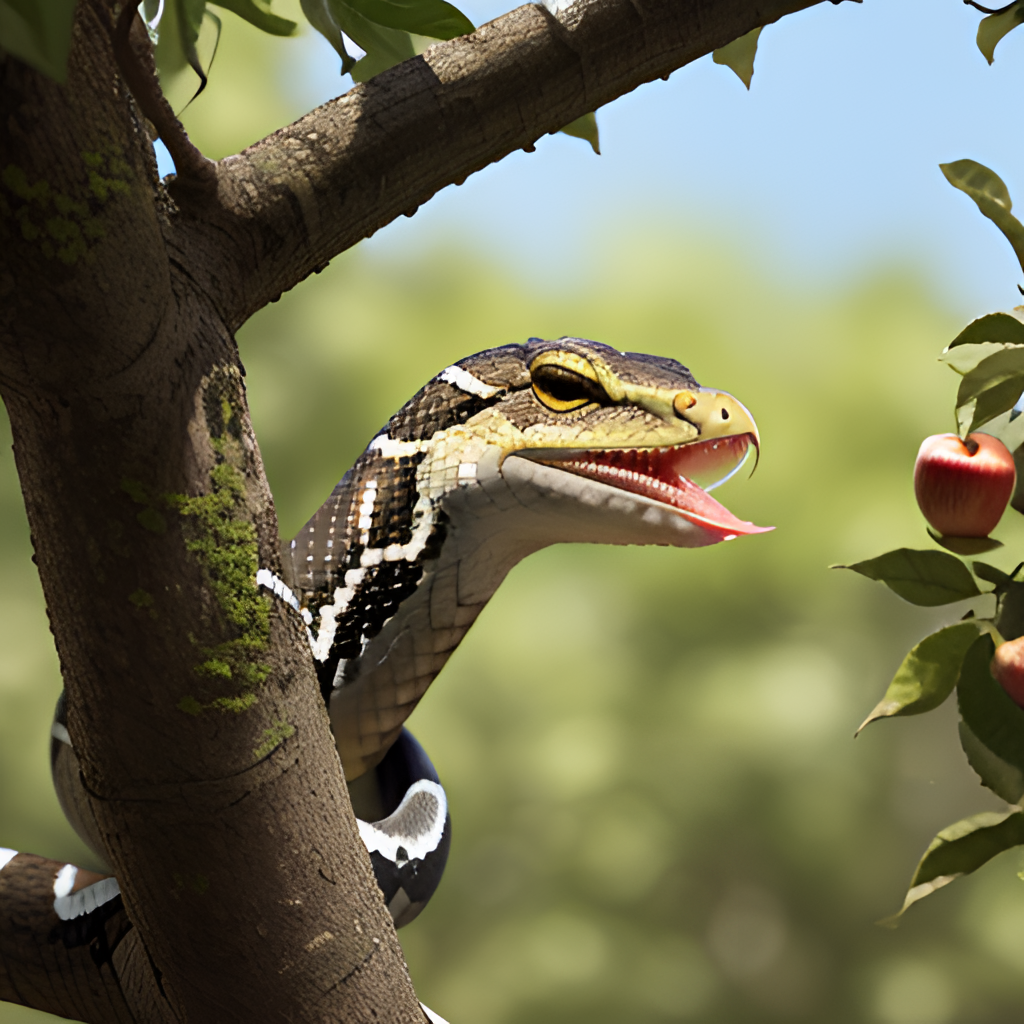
[957,657]
[992,736]
[386,31]
[988,355]
[389,31]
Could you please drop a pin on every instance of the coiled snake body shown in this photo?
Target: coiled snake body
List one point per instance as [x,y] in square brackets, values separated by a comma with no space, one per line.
[501,454]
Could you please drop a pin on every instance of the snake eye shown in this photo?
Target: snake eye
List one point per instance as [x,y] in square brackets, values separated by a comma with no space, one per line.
[563,390]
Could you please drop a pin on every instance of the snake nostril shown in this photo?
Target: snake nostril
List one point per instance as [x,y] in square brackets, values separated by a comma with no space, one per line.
[725,414]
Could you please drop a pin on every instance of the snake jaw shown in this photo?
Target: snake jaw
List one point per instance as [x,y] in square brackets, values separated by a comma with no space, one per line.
[669,475]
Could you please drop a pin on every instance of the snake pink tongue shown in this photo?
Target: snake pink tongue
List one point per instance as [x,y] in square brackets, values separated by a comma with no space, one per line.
[666,475]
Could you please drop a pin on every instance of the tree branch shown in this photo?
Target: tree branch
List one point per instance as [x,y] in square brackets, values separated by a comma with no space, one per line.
[290,203]
[67,946]
[135,62]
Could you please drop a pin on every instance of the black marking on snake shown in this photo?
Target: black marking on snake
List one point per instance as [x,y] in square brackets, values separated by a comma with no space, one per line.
[438,406]
[408,883]
[384,588]
[392,516]
[331,542]
[91,928]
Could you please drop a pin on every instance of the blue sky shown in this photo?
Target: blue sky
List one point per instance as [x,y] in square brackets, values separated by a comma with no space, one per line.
[827,167]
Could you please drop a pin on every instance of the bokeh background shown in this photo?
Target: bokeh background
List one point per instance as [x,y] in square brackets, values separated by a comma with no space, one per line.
[660,811]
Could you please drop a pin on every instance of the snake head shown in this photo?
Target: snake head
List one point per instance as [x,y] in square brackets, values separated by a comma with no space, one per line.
[499,455]
[627,444]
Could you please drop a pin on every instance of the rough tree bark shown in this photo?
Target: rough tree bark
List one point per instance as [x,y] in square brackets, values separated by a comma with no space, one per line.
[192,701]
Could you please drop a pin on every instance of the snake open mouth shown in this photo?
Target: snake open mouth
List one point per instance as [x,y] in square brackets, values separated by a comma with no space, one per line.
[678,476]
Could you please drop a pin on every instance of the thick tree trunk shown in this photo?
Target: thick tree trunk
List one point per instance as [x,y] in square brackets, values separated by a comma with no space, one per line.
[192,702]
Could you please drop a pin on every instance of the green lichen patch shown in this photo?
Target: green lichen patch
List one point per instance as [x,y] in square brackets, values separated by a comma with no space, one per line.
[273,738]
[221,407]
[64,226]
[236,705]
[222,539]
[225,546]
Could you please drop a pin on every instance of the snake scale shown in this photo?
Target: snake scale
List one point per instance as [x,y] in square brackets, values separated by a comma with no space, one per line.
[499,455]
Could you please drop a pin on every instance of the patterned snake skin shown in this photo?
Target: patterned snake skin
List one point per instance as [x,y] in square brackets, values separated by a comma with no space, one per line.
[501,454]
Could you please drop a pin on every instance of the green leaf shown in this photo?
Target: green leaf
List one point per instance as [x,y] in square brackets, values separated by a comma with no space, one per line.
[739,55]
[385,46]
[258,13]
[990,403]
[921,577]
[1003,778]
[988,190]
[990,389]
[990,573]
[434,18]
[1009,428]
[965,545]
[189,22]
[961,849]
[965,358]
[1002,328]
[178,33]
[987,710]
[585,128]
[38,32]
[995,26]
[928,673]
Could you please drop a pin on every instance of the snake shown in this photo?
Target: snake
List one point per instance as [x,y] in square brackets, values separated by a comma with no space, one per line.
[499,455]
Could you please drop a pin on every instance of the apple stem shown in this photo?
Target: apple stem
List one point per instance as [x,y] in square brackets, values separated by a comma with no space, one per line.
[971,445]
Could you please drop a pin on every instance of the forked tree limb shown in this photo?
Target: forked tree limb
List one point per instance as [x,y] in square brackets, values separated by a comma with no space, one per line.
[296,199]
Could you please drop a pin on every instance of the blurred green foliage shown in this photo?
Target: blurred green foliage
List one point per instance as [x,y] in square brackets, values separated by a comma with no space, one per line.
[660,813]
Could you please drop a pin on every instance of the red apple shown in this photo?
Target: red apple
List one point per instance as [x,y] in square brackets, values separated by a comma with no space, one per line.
[963,487]
[1008,668]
